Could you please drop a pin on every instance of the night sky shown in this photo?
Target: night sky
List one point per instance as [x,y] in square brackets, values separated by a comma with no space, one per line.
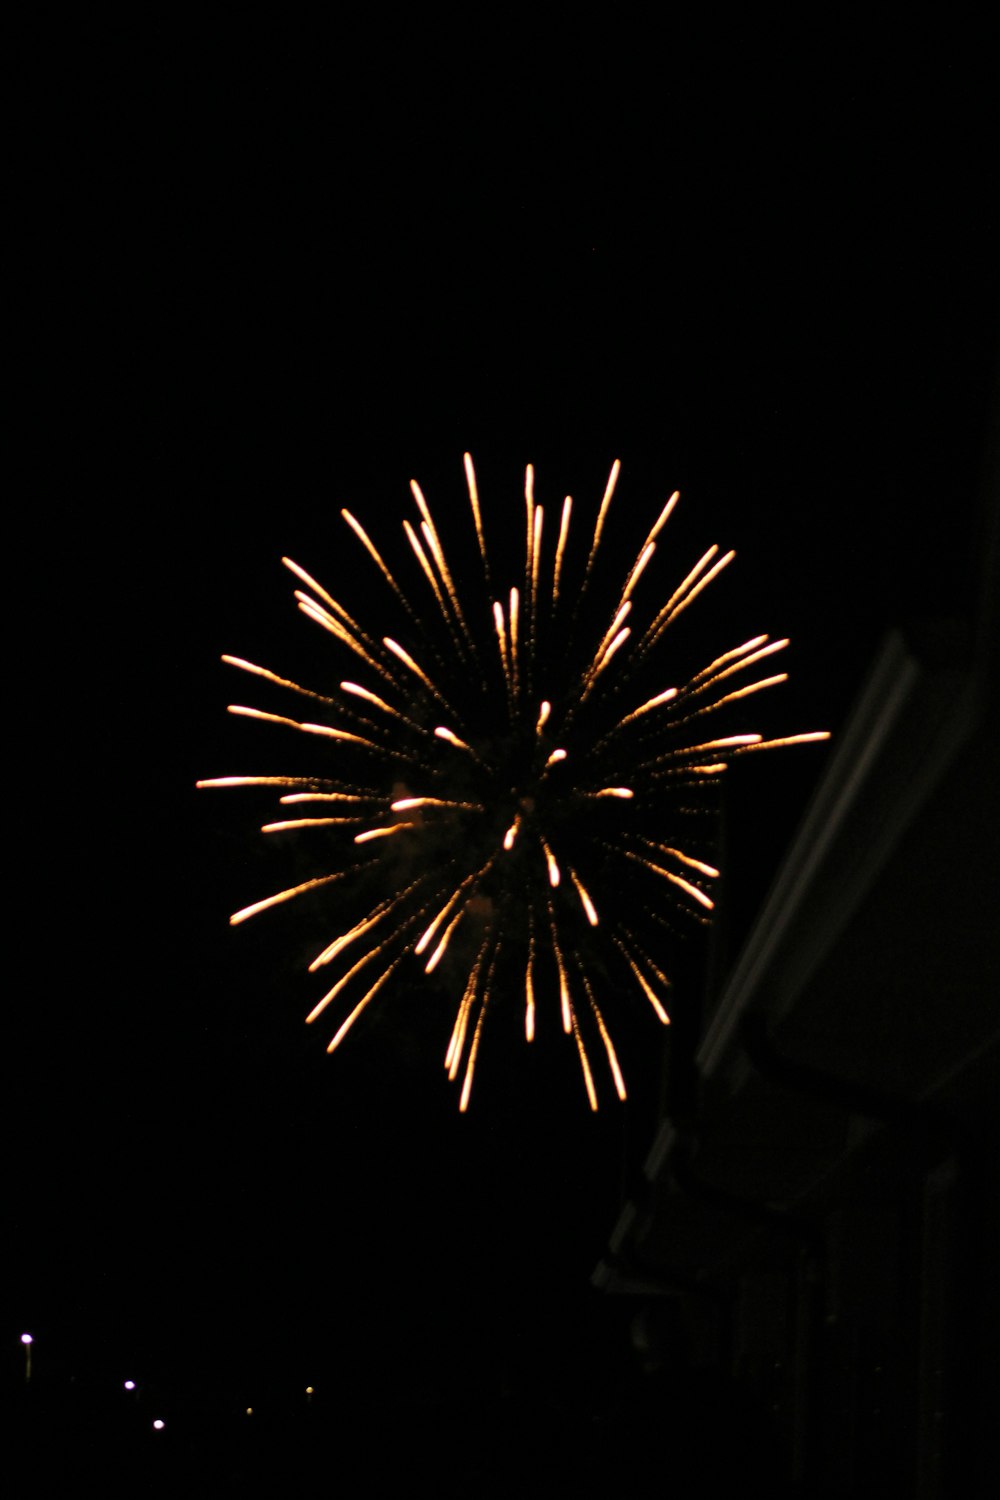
[271,276]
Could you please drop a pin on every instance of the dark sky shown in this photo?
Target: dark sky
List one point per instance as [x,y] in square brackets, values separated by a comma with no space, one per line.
[274,275]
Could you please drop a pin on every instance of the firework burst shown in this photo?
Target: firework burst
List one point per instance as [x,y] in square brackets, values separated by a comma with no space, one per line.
[513,793]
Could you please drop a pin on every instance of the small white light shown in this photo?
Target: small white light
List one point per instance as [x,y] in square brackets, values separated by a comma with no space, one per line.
[130,1385]
[158,1425]
[26,1338]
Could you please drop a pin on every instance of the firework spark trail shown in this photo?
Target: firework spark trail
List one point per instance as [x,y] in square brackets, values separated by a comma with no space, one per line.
[512,846]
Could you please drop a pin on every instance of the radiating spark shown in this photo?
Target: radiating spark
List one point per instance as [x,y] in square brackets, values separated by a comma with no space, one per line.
[734,661]
[329,797]
[248,666]
[529,986]
[476,871]
[362,1003]
[788,739]
[321,729]
[501,631]
[449,906]
[536,552]
[406,803]
[612,1056]
[665,697]
[687,859]
[644,984]
[381,833]
[369,697]
[414,541]
[263,781]
[585,900]
[602,513]
[736,694]
[329,623]
[473,1050]
[550,861]
[437,552]
[561,548]
[470,476]
[373,552]
[287,823]
[514,665]
[418,671]
[588,1077]
[280,896]
[438,953]
[677,880]
[529,544]
[454,1054]
[564,995]
[360,929]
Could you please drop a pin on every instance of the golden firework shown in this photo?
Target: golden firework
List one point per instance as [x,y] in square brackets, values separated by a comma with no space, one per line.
[504,799]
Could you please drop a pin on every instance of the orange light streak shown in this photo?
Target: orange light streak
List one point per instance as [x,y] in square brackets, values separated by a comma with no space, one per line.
[644,984]
[436,956]
[743,692]
[449,905]
[418,671]
[373,552]
[748,652]
[618,641]
[664,697]
[529,987]
[329,797]
[585,900]
[599,527]
[616,1071]
[536,552]
[470,479]
[561,547]
[355,1013]
[451,738]
[249,666]
[323,729]
[305,823]
[345,979]
[677,880]
[454,1054]
[319,616]
[357,691]
[501,631]
[638,568]
[381,833]
[588,1077]
[414,541]
[311,583]
[514,602]
[262,781]
[275,900]
[686,859]
[406,803]
[550,861]
[789,739]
